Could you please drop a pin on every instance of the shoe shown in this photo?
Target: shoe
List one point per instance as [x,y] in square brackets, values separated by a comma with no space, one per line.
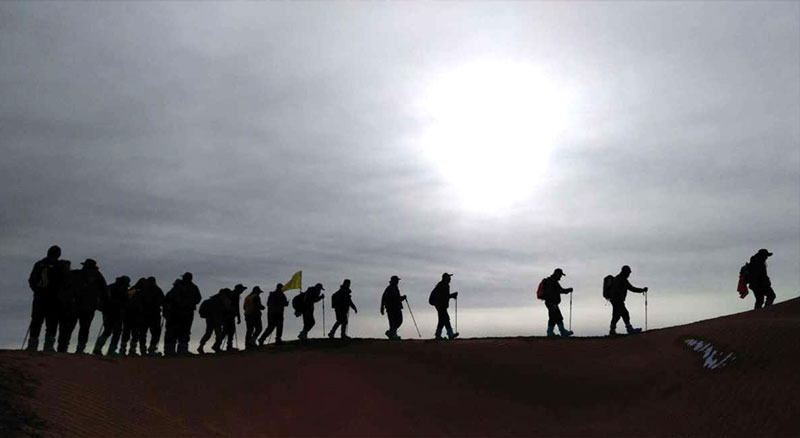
[633,331]
[345,337]
[216,349]
[331,335]
[612,332]
[200,350]
[388,334]
[566,333]
[438,337]
[452,335]
[551,334]
[33,345]
[279,342]
[97,352]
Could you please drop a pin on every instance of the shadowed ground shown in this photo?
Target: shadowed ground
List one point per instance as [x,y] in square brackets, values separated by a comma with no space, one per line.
[648,384]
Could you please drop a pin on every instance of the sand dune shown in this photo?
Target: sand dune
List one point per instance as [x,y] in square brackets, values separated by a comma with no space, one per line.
[655,383]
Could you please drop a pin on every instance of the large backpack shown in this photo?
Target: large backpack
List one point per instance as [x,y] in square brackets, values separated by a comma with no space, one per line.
[250,304]
[540,291]
[336,300]
[205,307]
[298,303]
[608,287]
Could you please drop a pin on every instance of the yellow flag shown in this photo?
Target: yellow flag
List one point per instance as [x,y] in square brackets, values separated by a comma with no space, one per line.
[295,283]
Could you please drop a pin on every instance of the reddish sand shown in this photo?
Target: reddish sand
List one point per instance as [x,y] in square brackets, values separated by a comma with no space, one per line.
[649,384]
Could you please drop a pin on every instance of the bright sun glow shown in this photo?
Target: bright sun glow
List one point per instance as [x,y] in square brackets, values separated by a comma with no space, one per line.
[492,127]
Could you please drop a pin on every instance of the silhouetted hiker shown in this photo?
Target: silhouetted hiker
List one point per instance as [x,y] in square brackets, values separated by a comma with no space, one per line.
[179,305]
[213,310]
[616,295]
[758,279]
[46,280]
[87,286]
[233,315]
[133,320]
[552,298]
[252,317]
[342,302]
[440,299]
[313,295]
[152,301]
[392,303]
[276,303]
[112,305]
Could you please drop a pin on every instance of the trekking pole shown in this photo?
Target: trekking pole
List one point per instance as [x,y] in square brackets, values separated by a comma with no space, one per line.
[456,314]
[570,311]
[412,318]
[645,311]
[323,316]
[25,339]
[235,337]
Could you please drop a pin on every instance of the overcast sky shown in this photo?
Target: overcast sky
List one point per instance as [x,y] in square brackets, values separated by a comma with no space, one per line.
[246,141]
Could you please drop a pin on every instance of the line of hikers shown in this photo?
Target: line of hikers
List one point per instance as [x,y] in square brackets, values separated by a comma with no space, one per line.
[64,298]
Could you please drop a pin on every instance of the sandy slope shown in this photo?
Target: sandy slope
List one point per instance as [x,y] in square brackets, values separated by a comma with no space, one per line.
[650,384]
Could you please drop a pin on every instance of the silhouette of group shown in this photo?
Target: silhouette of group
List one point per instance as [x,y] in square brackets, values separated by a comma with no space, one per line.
[64,298]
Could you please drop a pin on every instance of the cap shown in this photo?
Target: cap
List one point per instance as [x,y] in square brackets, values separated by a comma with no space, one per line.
[394,277]
[319,286]
[626,268]
[559,271]
[187,276]
[764,251]
[89,263]
[240,286]
[257,290]
[446,275]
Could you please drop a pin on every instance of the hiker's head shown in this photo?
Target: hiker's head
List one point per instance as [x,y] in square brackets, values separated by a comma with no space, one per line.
[346,283]
[558,273]
[151,280]
[279,287]
[626,270]
[318,286]
[763,253]
[257,290]
[394,280]
[187,276]
[89,264]
[446,277]
[239,288]
[124,280]
[141,282]
[54,252]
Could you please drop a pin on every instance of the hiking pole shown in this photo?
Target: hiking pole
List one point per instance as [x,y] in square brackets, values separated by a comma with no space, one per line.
[456,314]
[412,318]
[645,311]
[236,337]
[570,311]
[25,339]
[323,316]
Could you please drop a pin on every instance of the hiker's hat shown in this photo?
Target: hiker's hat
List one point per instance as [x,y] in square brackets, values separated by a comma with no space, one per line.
[319,286]
[560,272]
[763,251]
[257,290]
[240,286]
[446,275]
[89,263]
[394,277]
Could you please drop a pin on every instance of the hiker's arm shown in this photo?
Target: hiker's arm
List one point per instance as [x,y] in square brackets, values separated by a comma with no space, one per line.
[638,290]
[33,277]
[353,306]
[566,291]
[454,295]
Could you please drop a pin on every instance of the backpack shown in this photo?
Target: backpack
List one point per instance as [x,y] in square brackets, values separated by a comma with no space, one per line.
[744,273]
[336,300]
[250,305]
[608,287]
[298,303]
[44,277]
[205,307]
[541,289]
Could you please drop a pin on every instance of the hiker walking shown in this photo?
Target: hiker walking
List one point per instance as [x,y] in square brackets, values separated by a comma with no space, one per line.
[233,315]
[112,306]
[440,299]
[552,298]
[758,279]
[45,280]
[276,303]
[152,301]
[133,326]
[617,293]
[83,292]
[179,305]
[392,303]
[213,310]
[252,317]
[312,296]
[342,302]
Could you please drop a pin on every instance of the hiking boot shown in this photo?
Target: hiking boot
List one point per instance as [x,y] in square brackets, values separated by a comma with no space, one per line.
[200,350]
[612,332]
[566,333]
[388,334]
[551,334]
[452,335]
[49,344]
[344,336]
[331,335]
[33,345]
[216,349]
[438,337]
[633,331]
[279,342]
[97,351]
[79,349]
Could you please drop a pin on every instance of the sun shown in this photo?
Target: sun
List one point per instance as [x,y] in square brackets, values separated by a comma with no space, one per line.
[491,127]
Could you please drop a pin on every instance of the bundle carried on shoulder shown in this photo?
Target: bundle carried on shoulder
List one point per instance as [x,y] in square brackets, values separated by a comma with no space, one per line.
[540,291]
[744,279]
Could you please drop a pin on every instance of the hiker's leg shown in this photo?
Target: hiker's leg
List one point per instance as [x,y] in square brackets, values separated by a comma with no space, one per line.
[759,294]
[770,295]
[38,314]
